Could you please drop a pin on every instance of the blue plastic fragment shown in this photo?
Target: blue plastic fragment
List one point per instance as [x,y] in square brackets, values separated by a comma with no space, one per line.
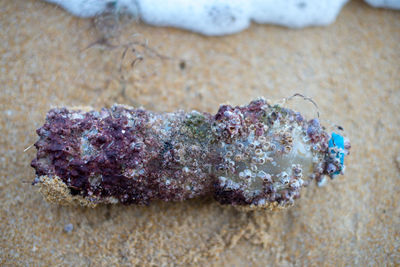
[336,143]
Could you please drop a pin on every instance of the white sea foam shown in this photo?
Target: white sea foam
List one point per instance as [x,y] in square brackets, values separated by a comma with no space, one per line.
[395,4]
[220,17]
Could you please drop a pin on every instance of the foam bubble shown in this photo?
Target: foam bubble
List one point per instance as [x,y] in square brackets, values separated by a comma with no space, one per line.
[82,8]
[220,17]
[395,4]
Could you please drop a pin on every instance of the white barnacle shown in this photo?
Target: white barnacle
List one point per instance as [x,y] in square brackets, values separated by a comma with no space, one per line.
[76,115]
[238,157]
[253,168]
[247,173]
[295,184]
[222,180]
[262,139]
[259,152]
[185,169]
[266,146]
[228,113]
[264,176]
[232,185]
[252,145]
[284,178]
[261,202]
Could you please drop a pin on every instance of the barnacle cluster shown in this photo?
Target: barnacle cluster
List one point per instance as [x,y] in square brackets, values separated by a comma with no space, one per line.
[259,155]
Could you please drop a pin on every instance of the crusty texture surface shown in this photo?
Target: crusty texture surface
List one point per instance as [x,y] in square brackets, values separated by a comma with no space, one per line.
[350,68]
[54,190]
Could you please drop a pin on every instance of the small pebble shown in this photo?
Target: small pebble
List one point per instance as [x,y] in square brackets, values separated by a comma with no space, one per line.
[69,227]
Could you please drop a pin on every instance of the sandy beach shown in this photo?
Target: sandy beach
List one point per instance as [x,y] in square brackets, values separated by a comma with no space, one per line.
[351,68]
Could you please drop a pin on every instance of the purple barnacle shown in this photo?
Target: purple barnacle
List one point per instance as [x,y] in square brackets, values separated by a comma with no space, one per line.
[75,162]
[272,197]
[311,131]
[299,117]
[347,145]
[101,159]
[41,131]
[256,105]
[104,113]
[313,127]
[35,163]
[74,172]
[221,112]
[225,135]
[273,117]
[59,154]
[315,123]
[63,131]
[101,139]
[228,114]
[270,188]
[85,125]
[55,147]
[259,131]
[135,146]
[285,195]
[68,149]
[116,126]
[331,168]
[285,111]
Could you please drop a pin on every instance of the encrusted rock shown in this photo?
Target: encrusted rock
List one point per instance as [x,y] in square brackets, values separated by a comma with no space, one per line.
[259,155]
